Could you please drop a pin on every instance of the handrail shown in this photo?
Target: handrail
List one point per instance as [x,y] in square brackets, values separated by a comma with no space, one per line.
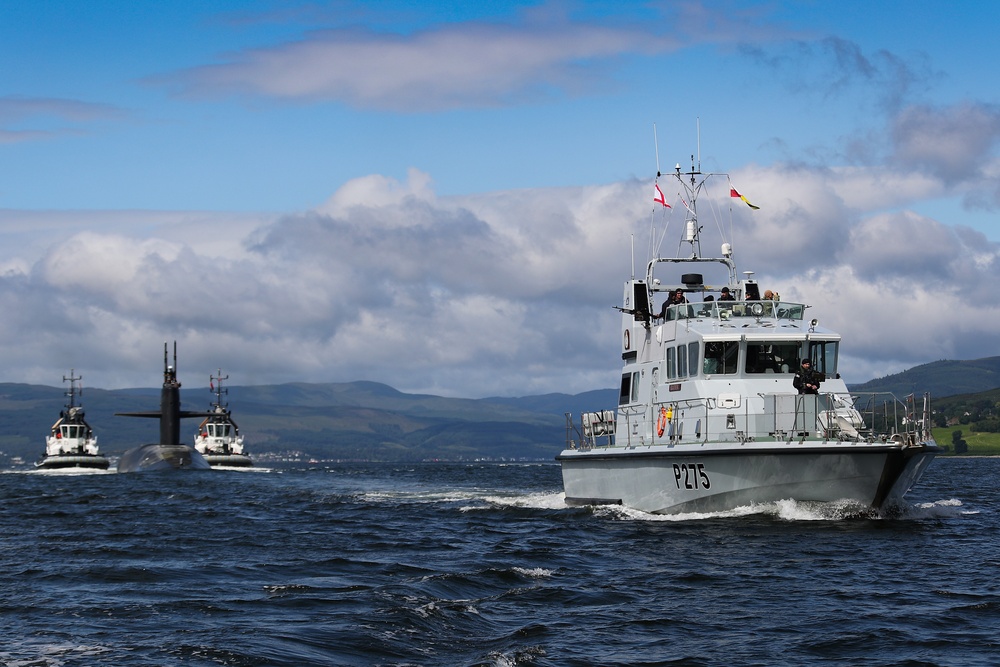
[867,417]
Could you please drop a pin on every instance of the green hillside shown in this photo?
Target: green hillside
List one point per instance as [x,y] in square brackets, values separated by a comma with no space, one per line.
[940,378]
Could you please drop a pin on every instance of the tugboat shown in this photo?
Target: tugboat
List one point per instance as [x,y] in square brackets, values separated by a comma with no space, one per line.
[218,438]
[71,442]
[729,400]
[168,453]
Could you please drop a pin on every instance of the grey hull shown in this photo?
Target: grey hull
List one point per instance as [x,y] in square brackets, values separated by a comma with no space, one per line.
[155,457]
[692,481]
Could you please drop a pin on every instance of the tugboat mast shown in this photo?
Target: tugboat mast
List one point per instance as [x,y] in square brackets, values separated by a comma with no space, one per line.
[215,386]
[73,391]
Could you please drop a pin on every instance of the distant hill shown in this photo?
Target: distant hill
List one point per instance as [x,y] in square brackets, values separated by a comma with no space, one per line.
[940,378]
[373,421]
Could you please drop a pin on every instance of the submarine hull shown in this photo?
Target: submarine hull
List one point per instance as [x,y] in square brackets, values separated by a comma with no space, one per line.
[156,457]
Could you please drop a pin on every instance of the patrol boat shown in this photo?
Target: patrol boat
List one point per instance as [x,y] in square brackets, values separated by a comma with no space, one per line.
[708,417]
[218,438]
[71,442]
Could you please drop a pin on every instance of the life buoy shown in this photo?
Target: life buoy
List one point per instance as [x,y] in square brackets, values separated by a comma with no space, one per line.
[661,423]
[628,343]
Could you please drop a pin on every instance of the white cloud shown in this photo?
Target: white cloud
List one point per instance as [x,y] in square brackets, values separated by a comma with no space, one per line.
[454,65]
[490,294]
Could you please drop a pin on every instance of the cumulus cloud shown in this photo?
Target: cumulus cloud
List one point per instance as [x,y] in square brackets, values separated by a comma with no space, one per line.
[498,293]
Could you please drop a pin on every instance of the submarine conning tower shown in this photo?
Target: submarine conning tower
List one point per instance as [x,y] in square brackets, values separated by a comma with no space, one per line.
[170,413]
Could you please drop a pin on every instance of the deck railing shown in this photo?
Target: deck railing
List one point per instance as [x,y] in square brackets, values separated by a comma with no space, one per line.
[846,417]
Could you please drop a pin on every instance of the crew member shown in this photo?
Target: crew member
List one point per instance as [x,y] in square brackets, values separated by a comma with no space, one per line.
[807,380]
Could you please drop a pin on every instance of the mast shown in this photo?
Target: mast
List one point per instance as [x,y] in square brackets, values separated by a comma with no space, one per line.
[692,231]
[218,390]
[73,392]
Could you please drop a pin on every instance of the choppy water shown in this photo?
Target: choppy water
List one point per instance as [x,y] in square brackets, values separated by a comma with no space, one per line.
[448,564]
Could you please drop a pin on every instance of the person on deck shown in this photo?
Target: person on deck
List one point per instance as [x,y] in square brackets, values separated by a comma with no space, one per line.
[726,296]
[806,380]
[676,298]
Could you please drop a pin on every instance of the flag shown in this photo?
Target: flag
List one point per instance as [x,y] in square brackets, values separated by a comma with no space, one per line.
[734,193]
[658,196]
[211,385]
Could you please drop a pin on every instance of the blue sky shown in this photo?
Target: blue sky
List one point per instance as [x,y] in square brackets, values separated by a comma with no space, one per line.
[440,195]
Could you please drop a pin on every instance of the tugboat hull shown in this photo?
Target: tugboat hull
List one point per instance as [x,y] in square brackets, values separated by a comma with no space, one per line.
[229,460]
[156,457]
[97,462]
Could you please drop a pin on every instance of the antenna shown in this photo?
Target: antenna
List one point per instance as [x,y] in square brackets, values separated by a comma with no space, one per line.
[219,391]
[632,241]
[656,147]
[698,124]
[73,391]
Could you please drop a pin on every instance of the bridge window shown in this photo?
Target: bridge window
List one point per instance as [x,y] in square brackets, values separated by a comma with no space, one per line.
[721,357]
[824,356]
[772,357]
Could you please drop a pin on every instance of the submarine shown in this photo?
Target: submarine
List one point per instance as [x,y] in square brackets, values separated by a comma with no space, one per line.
[169,453]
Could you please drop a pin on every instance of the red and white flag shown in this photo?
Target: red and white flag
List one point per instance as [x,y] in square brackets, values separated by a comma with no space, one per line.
[658,196]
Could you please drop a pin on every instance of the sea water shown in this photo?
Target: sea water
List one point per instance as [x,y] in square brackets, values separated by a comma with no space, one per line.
[483,564]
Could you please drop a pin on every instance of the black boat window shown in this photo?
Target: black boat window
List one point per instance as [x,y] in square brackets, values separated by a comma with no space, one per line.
[824,357]
[671,363]
[693,350]
[641,303]
[772,357]
[630,389]
[721,357]
[682,370]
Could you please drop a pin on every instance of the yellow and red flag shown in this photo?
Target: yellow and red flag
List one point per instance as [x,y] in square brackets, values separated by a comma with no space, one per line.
[734,193]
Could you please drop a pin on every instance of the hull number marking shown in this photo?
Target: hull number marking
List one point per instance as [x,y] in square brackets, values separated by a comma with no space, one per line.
[691,476]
